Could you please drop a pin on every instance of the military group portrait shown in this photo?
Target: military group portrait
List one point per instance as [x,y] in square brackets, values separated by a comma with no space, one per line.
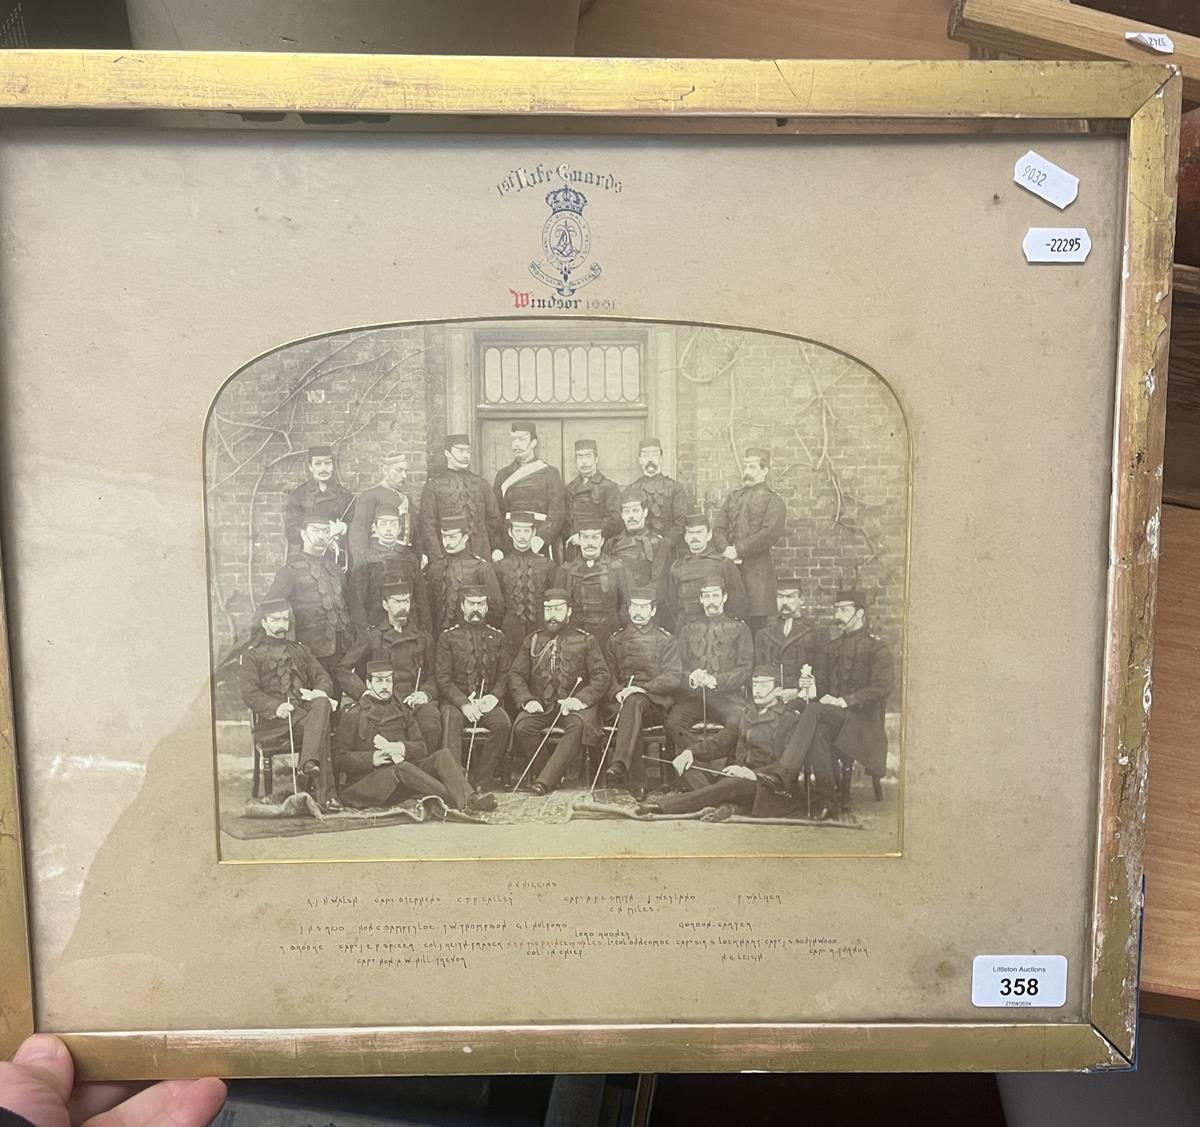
[543,610]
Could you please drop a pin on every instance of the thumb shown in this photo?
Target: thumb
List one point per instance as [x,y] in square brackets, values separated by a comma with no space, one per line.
[38,1081]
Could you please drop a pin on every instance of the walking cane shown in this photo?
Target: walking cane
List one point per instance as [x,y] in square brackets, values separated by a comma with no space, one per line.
[340,520]
[608,743]
[292,745]
[549,728]
[704,709]
[474,729]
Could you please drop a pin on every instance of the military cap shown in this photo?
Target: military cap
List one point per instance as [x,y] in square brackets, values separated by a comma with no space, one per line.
[397,587]
[472,591]
[759,452]
[525,425]
[586,444]
[273,606]
[849,596]
[388,511]
[376,667]
[313,517]
[554,595]
[522,518]
[643,595]
[633,496]
[454,524]
[650,443]
[589,520]
[320,452]
[713,580]
[766,671]
[457,440]
[694,519]
[788,583]
[394,459]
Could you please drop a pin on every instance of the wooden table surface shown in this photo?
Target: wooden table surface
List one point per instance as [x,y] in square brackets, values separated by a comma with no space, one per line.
[900,29]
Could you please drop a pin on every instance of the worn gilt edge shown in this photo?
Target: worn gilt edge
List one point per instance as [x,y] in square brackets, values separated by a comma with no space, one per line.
[1133,561]
[454,84]
[430,1050]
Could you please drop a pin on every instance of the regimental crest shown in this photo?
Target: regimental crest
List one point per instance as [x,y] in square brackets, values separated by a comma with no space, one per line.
[566,244]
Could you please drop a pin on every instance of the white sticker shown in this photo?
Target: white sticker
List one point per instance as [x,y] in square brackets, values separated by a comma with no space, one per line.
[1044,178]
[1056,244]
[1156,41]
[1025,981]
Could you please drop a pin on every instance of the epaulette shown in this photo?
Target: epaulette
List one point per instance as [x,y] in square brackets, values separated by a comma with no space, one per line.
[492,628]
[661,630]
[454,627]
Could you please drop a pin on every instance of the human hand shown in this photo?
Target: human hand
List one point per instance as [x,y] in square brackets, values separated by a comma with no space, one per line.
[396,750]
[696,678]
[471,710]
[730,553]
[708,681]
[285,710]
[417,698]
[337,528]
[487,703]
[683,760]
[628,691]
[497,555]
[39,1085]
[379,742]
[381,757]
[736,771]
[537,543]
[533,707]
[571,704]
[837,702]
[807,686]
[312,694]
[573,538]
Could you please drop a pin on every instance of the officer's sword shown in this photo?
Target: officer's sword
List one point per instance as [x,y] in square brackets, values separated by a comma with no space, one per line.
[549,729]
[693,767]
[474,729]
[292,745]
[340,520]
[608,743]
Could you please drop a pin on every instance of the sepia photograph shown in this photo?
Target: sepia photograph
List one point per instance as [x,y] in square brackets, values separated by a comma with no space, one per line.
[546,573]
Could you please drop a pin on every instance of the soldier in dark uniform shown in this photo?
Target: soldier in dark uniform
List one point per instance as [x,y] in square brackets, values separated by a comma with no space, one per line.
[385,559]
[319,497]
[751,521]
[456,491]
[280,679]
[379,747]
[597,587]
[529,485]
[312,584]
[669,501]
[748,753]
[523,576]
[792,645]
[411,653]
[472,674]
[388,494]
[455,569]
[591,492]
[640,549]
[694,566]
[647,673]
[558,677]
[717,653]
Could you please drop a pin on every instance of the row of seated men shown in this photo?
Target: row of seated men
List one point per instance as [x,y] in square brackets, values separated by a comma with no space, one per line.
[817,699]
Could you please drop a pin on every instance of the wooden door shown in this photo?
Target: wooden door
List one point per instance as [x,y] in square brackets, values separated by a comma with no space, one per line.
[617,444]
[495,445]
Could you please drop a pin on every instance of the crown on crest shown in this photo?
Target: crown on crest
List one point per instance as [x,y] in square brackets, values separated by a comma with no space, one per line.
[566,199]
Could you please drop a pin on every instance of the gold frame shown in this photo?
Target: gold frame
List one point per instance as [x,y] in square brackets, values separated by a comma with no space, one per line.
[666,95]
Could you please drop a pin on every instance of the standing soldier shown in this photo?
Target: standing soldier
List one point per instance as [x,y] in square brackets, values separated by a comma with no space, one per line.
[455,569]
[523,576]
[669,501]
[456,491]
[647,672]
[597,587]
[409,648]
[472,673]
[385,559]
[718,657]
[558,677]
[389,494]
[751,521]
[790,643]
[386,760]
[640,549]
[591,492]
[318,497]
[693,567]
[529,485]
[284,686]
[312,584]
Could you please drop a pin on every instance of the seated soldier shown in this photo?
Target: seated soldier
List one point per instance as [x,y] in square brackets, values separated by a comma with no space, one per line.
[378,746]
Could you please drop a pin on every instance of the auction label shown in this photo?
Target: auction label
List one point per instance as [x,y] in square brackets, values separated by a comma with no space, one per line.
[1163,44]
[1044,178]
[1019,981]
[1056,244]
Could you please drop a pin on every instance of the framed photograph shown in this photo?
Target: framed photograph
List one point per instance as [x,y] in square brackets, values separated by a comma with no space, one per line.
[578,565]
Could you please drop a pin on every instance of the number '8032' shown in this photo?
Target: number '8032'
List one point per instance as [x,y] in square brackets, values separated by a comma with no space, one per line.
[1018,987]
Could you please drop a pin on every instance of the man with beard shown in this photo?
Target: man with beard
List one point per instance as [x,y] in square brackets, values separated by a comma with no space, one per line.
[385,559]
[523,576]
[693,567]
[640,549]
[472,673]
[456,491]
[591,492]
[388,494]
[718,656]
[319,497]
[647,672]
[751,521]
[558,677]
[791,645]
[748,754]
[312,584]
[379,747]
[597,587]
[529,485]
[455,569]
[668,501]
[281,681]
[410,652]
